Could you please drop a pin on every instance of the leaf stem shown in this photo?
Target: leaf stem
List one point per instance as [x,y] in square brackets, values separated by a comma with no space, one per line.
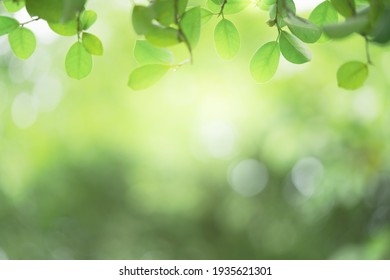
[32,20]
[181,34]
[222,8]
[368,54]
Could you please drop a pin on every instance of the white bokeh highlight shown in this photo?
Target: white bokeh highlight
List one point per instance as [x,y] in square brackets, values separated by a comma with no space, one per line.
[248,177]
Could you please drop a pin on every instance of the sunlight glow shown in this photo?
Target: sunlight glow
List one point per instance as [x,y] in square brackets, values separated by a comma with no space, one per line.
[219,139]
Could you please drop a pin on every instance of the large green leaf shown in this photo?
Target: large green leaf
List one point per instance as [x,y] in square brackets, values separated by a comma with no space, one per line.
[351,25]
[293,49]
[381,32]
[7,24]
[78,61]
[162,36]
[190,24]
[22,42]
[324,14]
[352,75]
[226,39]
[164,10]
[13,6]
[92,44]
[147,75]
[55,10]
[265,62]
[231,6]
[346,8]
[305,30]
[142,19]
[68,28]
[145,53]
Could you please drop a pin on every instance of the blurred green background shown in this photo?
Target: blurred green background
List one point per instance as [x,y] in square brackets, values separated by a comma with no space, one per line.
[206,164]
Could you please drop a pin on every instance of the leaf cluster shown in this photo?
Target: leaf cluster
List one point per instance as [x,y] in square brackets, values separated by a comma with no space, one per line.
[162,24]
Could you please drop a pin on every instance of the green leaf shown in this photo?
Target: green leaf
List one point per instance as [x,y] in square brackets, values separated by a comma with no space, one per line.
[231,6]
[7,24]
[87,19]
[13,6]
[205,15]
[78,61]
[190,24]
[323,14]
[265,62]
[226,39]
[22,42]
[145,53]
[305,30]
[346,8]
[55,11]
[162,36]
[381,33]
[283,12]
[147,75]
[293,49]
[68,28]
[164,10]
[92,44]
[142,19]
[352,75]
[217,2]
[351,25]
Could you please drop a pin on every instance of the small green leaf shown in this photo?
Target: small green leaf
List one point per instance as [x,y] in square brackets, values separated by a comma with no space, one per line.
[78,61]
[68,28]
[305,30]
[13,6]
[231,6]
[293,49]
[147,75]
[346,28]
[352,75]
[265,62]
[145,53]
[87,19]
[283,12]
[92,44]
[162,36]
[190,24]
[22,42]
[226,39]
[7,24]
[323,14]
[205,15]
[346,8]
[142,19]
